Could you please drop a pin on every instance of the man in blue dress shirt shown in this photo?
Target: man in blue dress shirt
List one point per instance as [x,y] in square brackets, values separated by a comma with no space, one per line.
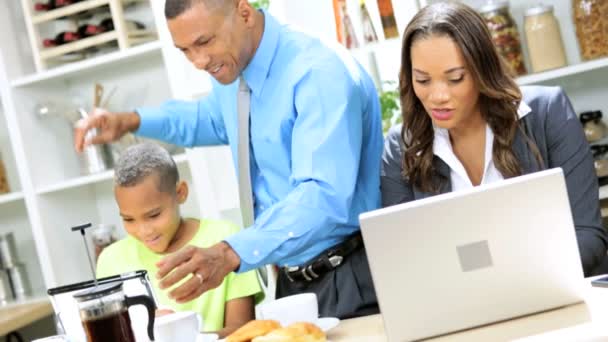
[314,152]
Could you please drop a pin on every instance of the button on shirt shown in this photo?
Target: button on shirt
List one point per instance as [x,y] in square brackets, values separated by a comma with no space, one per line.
[315,139]
[442,147]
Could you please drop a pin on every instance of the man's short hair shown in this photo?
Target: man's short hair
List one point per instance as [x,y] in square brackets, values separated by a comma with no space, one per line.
[174,8]
[143,160]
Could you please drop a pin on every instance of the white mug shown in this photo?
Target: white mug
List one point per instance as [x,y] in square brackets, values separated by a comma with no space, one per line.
[287,310]
[54,338]
[179,326]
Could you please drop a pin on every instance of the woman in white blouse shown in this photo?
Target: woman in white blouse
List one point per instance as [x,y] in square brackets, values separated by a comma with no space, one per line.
[466,123]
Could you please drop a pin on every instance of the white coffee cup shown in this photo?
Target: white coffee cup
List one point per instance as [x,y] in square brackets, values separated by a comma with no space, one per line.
[287,310]
[55,338]
[179,326]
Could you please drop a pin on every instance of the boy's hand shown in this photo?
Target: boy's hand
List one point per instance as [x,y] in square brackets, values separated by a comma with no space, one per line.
[205,268]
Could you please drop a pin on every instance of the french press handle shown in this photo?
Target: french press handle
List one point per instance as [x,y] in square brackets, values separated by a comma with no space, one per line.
[150,305]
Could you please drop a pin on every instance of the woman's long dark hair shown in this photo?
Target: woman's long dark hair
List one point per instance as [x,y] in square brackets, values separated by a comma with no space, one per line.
[499,95]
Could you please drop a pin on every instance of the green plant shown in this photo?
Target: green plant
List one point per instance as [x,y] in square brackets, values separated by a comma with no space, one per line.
[260,4]
[389,105]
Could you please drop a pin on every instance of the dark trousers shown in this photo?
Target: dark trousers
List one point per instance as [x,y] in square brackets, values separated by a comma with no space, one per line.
[345,292]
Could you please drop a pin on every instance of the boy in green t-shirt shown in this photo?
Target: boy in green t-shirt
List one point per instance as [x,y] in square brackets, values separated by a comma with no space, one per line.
[149,193]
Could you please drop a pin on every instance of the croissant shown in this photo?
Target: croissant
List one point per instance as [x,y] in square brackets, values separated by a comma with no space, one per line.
[252,329]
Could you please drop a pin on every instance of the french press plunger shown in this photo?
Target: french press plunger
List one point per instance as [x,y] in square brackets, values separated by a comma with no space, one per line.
[104,310]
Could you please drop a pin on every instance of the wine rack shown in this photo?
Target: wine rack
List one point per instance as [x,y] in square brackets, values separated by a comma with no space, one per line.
[121,35]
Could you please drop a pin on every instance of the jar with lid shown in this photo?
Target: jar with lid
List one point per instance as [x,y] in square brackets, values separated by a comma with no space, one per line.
[4,188]
[600,162]
[504,34]
[591,22]
[103,235]
[544,38]
[594,127]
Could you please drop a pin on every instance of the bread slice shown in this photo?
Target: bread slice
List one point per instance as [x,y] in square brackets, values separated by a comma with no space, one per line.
[253,329]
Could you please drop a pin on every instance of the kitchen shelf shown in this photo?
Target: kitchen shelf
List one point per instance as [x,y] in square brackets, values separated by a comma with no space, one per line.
[564,72]
[11,197]
[92,179]
[68,10]
[78,45]
[95,63]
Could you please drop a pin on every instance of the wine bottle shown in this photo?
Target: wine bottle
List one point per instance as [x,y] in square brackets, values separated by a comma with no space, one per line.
[52,4]
[88,30]
[42,7]
[131,25]
[61,38]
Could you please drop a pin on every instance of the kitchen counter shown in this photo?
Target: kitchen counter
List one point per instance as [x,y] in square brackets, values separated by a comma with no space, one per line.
[19,314]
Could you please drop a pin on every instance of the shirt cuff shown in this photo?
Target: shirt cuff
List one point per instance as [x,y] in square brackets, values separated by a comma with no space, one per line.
[151,121]
[246,244]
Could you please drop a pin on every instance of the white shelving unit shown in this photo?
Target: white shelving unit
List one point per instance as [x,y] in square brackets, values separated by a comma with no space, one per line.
[50,194]
[11,197]
[91,64]
[124,38]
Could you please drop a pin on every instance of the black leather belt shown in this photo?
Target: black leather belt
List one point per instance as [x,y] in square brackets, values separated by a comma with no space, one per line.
[326,261]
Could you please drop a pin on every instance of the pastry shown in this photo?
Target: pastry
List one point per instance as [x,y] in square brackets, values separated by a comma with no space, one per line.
[297,332]
[252,329]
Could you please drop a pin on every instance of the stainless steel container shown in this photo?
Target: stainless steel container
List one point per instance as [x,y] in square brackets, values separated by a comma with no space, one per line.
[94,158]
[6,292]
[19,281]
[8,251]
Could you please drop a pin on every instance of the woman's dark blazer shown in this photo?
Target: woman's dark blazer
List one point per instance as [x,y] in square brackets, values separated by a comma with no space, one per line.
[555,129]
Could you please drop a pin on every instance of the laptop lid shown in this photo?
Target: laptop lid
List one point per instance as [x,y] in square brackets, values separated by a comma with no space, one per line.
[464,259]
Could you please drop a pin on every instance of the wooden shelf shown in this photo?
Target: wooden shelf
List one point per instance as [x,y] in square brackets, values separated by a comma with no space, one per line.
[68,10]
[564,72]
[78,45]
[93,179]
[72,9]
[112,58]
[11,197]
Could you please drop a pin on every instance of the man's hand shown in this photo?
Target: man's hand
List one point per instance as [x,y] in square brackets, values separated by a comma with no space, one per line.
[110,127]
[205,268]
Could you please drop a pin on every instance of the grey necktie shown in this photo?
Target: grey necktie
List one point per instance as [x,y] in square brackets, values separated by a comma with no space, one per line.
[244,176]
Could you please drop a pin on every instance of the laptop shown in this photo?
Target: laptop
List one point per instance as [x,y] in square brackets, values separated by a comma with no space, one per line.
[464,259]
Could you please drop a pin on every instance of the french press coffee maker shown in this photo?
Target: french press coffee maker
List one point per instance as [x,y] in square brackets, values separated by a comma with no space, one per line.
[104,308]
[105,316]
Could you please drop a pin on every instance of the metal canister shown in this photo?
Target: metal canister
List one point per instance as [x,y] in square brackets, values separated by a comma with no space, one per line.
[6,292]
[8,251]
[20,282]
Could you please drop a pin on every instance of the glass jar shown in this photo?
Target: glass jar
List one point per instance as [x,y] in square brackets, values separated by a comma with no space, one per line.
[591,22]
[544,39]
[504,34]
[594,127]
[103,235]
[600,163]
[4,188]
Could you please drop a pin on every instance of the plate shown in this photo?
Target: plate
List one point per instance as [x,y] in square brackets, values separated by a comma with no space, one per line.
[207,338]
[327,323]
